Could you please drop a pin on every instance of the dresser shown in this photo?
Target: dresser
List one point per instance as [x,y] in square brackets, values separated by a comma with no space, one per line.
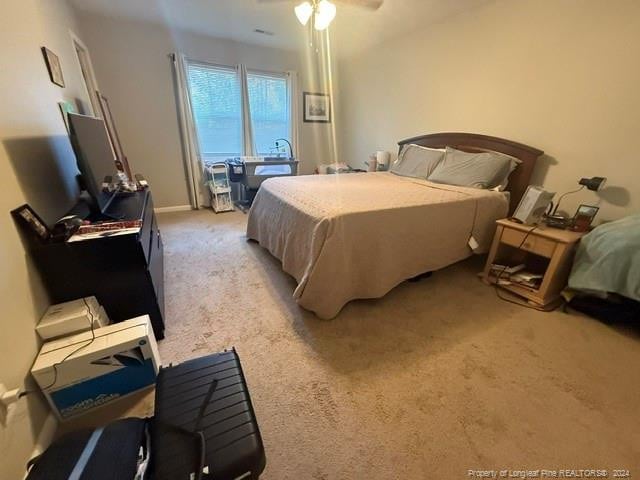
[124,272]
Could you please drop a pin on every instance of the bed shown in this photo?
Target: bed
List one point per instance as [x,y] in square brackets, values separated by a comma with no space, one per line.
[346,237]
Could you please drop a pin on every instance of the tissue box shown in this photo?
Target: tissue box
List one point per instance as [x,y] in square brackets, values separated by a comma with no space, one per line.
[78,374]
[71,317]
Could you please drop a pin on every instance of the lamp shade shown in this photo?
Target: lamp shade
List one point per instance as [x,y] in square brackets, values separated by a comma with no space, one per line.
[304,12]
[325,13]
[594,183]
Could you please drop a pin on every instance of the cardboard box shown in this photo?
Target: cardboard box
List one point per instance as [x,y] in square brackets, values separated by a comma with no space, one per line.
[71,317]
[78,373]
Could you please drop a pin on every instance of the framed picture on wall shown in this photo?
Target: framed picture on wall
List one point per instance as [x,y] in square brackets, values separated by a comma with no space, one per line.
[53,66]
[317,107]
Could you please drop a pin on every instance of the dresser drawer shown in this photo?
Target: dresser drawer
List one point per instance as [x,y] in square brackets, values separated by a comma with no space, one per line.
[534,244]
[156,268]
[146,232]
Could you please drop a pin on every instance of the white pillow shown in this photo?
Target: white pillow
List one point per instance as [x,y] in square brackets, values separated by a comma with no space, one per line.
[478,170]
[417,161]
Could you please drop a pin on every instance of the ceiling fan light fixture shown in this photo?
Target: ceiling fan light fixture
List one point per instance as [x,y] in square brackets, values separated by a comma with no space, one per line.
[304,11]
[324,14]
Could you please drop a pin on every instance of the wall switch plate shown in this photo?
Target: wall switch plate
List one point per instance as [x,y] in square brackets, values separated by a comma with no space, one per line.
[8,397]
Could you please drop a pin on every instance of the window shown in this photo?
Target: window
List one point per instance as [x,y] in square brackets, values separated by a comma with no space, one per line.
[270,112]
[216,102]
[217,109]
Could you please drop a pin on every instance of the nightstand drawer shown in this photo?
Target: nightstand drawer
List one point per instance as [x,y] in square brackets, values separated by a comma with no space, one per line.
[533,243]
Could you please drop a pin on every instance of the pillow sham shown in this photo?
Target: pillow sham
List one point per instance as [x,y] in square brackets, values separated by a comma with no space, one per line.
[478,170]
[416,161]
[505,181]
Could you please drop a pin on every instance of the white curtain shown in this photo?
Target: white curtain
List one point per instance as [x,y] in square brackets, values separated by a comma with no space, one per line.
[198,195]
[191,153]
[248,145]
[294,106]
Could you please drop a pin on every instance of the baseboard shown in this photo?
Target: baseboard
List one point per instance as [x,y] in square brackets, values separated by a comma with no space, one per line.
[177,208]
[45,437]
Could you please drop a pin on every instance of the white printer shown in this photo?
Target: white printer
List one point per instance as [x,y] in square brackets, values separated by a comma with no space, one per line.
[72,317]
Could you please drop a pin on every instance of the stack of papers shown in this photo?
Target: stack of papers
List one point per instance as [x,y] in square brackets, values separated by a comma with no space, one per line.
[527,279]
[505,270]
[508,275]
[106,229]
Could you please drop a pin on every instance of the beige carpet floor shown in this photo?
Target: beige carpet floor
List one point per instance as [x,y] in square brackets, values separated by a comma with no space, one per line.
[436,378]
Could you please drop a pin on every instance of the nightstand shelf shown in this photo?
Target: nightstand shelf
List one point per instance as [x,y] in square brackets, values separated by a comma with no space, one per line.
[543,250]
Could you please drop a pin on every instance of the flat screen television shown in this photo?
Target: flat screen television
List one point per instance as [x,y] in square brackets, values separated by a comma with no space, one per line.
[94,156]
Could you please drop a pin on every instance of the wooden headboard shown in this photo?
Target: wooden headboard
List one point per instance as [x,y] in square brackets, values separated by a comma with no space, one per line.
[472,142]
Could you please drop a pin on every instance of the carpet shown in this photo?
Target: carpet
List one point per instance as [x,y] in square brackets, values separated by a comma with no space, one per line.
[437,378]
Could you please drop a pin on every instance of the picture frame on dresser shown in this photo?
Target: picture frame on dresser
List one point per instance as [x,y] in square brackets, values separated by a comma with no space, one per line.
[28,218]
[583,218]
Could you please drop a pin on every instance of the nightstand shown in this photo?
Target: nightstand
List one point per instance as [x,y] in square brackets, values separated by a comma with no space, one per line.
[546,252]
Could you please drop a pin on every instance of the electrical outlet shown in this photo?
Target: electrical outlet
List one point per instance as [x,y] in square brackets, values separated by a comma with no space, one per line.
[7,398]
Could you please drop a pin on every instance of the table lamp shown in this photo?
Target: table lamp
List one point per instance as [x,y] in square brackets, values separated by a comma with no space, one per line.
[560,221]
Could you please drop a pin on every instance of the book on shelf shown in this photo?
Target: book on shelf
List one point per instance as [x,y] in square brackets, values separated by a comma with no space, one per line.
[528,279]
[510,275]
[505,269]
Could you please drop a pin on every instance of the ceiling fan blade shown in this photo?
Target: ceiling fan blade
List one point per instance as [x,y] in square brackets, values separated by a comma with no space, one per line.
[370,4]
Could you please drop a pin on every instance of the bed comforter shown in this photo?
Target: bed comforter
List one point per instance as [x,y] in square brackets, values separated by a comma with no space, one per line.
[608,259]
[344,237]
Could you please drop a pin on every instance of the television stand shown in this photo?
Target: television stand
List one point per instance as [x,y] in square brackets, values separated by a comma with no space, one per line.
[124,272]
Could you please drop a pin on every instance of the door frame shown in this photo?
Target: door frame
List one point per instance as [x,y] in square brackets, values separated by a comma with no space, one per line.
[88,75]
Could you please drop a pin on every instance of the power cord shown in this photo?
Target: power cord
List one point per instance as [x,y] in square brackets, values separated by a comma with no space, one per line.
[496,286]
[564,195]
[81,347]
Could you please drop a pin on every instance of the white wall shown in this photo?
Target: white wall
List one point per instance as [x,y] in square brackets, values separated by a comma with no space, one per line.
[559,75]
[134,72]
[34,150]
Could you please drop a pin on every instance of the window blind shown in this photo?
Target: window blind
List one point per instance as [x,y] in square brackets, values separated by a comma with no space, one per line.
[270,109]
[217,110]
[216,102]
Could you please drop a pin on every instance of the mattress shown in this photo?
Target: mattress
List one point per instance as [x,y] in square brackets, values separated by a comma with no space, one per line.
[346,237]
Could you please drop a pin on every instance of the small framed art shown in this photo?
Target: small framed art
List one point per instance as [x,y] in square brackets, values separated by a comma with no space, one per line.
[317,107]
[584,217]
[30,219]
[53,65]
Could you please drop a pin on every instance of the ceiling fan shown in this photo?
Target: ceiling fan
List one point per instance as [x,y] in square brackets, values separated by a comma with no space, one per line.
[322,12]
